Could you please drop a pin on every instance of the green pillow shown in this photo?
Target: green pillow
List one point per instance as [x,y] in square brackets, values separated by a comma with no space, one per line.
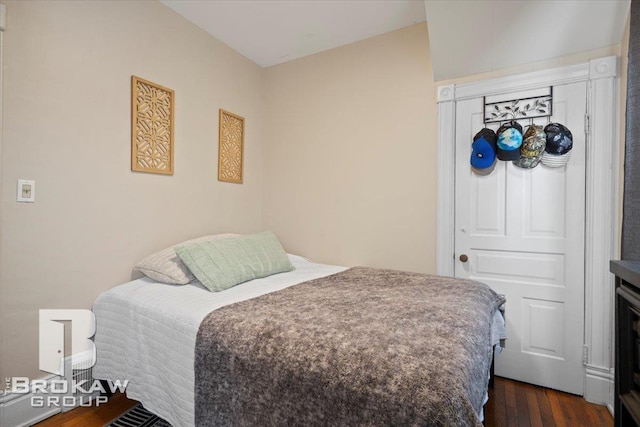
[221,264]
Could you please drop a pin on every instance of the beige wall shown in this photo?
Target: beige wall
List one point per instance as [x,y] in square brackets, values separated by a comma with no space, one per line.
[67,125]
[349,160]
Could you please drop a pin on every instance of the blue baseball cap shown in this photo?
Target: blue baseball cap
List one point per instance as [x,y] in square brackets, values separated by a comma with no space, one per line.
[483,154]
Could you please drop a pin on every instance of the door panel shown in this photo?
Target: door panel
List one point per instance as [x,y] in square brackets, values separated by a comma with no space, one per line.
[488,216]
[544,189]
[523,232]
[536,269]
[541,316]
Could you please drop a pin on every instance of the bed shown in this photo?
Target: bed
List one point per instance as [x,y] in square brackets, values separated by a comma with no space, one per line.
[262,353]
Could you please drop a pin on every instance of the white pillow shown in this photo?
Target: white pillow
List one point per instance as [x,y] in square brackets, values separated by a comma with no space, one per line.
[166,267]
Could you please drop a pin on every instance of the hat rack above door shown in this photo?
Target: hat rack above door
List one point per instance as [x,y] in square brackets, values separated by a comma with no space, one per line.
[539,104]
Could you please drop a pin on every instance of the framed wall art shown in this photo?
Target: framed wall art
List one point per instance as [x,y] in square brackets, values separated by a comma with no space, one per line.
[152,109]
[230,147]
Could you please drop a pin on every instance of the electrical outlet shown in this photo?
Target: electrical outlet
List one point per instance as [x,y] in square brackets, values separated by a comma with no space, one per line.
[26,191]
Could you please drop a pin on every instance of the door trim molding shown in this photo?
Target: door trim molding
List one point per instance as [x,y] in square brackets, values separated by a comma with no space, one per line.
[445,179]
[602,168]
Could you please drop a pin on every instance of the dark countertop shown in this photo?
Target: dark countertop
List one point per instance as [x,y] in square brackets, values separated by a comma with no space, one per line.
[628,271]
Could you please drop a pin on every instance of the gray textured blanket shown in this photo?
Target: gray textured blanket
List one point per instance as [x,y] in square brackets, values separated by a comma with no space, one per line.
[361,347]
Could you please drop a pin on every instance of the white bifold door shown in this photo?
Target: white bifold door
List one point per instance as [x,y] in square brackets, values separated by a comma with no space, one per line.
[522,231]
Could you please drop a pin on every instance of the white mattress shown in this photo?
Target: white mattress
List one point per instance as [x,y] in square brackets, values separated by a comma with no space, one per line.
[146,334]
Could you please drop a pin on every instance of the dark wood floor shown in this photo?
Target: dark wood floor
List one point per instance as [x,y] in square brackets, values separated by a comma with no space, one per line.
[91,416]
[516,404]
[511,404]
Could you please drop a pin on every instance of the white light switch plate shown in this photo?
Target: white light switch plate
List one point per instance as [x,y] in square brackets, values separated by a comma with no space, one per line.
[26,191]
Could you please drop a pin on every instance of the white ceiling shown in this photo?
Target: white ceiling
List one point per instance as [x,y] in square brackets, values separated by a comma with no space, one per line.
[469,37]
[466,37]
[270,31]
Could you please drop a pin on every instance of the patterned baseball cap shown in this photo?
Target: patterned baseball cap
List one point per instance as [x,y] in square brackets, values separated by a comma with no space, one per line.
[532,147]
[509,141]
[557,152]
[559,139]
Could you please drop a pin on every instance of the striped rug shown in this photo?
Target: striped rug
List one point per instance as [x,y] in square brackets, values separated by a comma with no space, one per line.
[138,417]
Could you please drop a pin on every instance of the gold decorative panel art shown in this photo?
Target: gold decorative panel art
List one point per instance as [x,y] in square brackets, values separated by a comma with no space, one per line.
[230,147]
[151,127]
